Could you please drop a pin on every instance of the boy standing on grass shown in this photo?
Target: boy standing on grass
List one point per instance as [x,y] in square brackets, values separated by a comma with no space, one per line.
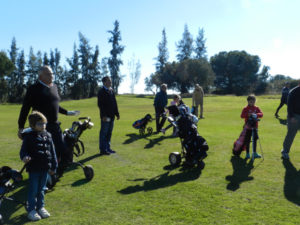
[251,112]
[38,153]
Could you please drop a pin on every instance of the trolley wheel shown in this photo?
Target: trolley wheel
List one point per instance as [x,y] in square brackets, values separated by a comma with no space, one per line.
[149,130]
[175,158]
[201,165]
[88,172]
[142,131]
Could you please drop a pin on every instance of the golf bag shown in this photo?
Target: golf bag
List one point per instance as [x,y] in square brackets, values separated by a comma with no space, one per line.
[240,144]
[142,124]
[194,146]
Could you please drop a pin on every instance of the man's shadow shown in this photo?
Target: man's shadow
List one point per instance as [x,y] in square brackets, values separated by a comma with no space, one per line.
[8,208]
[241,172]
[291,182]
[163,180]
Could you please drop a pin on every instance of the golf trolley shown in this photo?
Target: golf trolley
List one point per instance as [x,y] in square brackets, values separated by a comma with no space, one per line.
[141,125]
[74,147]
[7,175]
[193,146]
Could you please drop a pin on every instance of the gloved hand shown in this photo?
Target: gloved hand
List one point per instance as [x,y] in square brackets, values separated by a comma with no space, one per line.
[73,113]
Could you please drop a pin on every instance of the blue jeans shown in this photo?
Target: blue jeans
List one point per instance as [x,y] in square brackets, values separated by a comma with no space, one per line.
[105,135]
[37,184]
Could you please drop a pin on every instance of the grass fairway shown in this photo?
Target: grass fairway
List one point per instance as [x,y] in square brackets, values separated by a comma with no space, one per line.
[136,185]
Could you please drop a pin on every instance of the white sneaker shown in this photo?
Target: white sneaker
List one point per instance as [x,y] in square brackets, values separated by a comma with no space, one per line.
[33,215]
[43,213]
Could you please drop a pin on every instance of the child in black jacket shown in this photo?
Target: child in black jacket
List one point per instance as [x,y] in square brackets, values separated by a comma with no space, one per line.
[38,152]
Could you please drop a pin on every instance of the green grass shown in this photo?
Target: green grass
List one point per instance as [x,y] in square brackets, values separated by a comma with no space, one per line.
[136,185]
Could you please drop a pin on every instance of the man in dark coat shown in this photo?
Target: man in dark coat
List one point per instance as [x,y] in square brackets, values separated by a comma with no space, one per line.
[43,97]
[293,119]
[108,107]
[160,102]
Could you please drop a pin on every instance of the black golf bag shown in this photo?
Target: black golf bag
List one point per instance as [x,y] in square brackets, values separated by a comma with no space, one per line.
[74,147]
[194,146]
[141,124]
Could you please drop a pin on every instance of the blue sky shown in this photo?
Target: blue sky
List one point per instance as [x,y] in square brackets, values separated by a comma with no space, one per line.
[267,28]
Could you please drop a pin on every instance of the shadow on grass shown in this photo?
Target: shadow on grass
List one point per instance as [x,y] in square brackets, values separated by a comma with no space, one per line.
[80,182]
[164,180]
[134,137]
[241,172]
[291,182]
[8,208]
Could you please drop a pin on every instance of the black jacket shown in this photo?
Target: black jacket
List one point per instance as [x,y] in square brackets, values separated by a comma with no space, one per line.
[293,104]
[41,98]
[107,103]
[39,146]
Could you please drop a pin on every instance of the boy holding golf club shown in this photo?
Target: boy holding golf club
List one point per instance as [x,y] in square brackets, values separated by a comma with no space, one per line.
[251,113]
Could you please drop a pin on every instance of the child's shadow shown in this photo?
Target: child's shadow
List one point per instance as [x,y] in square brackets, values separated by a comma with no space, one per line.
[241,172]
[291,182]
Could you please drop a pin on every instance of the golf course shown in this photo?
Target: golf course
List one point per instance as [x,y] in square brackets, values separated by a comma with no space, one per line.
[137,185]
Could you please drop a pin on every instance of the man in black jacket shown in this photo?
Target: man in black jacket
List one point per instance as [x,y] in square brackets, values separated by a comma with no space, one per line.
[293,125]
[43,97]
[107,104]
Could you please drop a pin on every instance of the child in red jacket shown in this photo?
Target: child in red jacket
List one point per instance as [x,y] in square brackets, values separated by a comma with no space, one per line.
[250,113]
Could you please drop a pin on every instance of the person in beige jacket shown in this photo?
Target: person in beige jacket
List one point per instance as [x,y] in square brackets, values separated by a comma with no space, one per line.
[198,100]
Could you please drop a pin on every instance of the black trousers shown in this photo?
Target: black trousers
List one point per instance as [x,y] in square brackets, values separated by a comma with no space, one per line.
[61,150]
[160,118]
[279,107]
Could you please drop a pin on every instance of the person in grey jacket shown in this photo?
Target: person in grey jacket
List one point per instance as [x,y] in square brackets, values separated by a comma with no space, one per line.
[160,102]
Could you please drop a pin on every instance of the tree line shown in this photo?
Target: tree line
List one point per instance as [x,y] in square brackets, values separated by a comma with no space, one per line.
[80,79]
[233,72]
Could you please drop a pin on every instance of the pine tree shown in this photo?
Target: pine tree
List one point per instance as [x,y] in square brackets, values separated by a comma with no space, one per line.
[114,61]
[74,72]
[200,48]
[85,57]
[21,63]
[185,46]
[32,68]
[12,78]
[163,53]
[45,59]
[95,73]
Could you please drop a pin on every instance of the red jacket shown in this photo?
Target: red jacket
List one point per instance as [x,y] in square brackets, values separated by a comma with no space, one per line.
[251,109]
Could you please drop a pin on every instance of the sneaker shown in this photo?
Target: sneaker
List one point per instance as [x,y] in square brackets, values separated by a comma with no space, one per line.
[256,155]
[247,156]
[33,216]
[111,151]
[284,154]
[43,213]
